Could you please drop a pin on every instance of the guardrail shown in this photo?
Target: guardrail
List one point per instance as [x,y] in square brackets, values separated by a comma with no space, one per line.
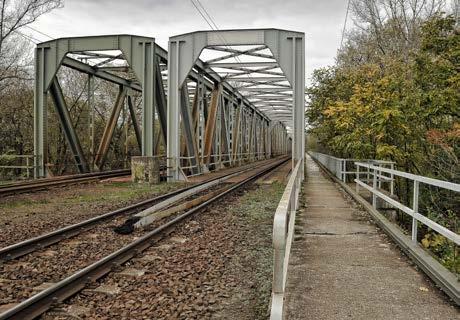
[283,232]
[378,174]
[29,165]
[342,167]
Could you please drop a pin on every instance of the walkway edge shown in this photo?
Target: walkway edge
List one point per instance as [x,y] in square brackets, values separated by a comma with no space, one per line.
[437,272]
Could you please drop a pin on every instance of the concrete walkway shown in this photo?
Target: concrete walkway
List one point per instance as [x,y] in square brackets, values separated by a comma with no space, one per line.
[344,267]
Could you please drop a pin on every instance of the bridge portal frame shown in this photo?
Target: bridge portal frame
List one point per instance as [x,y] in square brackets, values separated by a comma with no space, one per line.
[288,50]
[143,56]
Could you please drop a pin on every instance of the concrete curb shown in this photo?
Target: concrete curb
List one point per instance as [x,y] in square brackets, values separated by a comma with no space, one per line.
[446,280]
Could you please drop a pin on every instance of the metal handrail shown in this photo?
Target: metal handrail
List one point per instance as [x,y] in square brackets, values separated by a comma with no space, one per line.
[283,232]
[338,166]
[29,158]
[375,171]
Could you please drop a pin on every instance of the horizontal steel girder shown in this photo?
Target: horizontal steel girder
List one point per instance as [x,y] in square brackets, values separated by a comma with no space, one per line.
[267,90]
[242,64]
[257,79]
[86,68]
[251,52]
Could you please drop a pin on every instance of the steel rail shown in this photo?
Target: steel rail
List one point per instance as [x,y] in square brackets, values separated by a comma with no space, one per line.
[37,243]
[57,178]
[40,185]
[43,301]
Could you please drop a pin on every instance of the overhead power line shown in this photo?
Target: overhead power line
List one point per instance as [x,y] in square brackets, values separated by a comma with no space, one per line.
[345,24]
[40,32]
[27,37]
[210,21]
[207,13]
[202,14]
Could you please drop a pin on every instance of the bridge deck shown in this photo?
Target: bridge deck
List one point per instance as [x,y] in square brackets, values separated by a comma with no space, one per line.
[343,267]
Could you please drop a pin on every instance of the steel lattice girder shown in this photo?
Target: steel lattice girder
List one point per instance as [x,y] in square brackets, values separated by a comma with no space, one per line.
[142,56]
[288,55]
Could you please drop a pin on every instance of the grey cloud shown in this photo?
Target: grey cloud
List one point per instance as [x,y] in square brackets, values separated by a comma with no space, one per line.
[320,20]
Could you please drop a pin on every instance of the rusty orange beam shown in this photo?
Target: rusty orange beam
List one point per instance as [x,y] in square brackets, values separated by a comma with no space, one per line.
[211,123]
[101,154]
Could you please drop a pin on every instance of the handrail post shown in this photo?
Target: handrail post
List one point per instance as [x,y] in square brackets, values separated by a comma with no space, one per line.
[415,209]
[27,165]
[392,182]
[368,175]
[357,178]
[374,188]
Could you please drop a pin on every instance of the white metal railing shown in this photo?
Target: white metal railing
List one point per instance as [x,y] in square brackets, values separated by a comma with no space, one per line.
[378,173]
[29,165]
[343,167]
[283,232]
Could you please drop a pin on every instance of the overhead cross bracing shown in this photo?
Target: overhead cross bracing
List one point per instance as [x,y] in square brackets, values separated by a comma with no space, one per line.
[254,72]
[261,70]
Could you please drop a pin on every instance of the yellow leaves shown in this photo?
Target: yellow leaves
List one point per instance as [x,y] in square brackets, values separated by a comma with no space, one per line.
[389,113]
[385,151]
[426,242]
[330,112]
[432,240]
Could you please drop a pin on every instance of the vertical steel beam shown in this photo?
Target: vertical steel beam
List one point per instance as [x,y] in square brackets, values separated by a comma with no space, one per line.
[67,126]
[173,137]
[237,132]
[189,133]
[101,154]
[91,112]
[256,132]
[201,101]
[225,138]
[148,96]
[298,72]
[137,130]
[195,112]
[40,115]
[211,123]
[252,131]
[161,102]
[244,133]
[217,133]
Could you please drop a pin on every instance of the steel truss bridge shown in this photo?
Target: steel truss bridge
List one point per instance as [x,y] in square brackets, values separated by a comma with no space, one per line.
[221,98]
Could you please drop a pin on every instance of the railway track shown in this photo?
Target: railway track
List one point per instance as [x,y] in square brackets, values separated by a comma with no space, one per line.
[38,243]
[42,184]
[115,249]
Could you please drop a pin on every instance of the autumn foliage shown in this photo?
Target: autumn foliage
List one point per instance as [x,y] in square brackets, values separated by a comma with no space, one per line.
[400,106]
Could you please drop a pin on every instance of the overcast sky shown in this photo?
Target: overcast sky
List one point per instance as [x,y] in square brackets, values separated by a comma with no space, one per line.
[322,21]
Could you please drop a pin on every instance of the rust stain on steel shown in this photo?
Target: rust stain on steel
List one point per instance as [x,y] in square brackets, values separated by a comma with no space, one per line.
[109,129]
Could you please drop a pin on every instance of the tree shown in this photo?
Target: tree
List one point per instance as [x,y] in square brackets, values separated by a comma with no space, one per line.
[386,28]
[401,107]
[15,15]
